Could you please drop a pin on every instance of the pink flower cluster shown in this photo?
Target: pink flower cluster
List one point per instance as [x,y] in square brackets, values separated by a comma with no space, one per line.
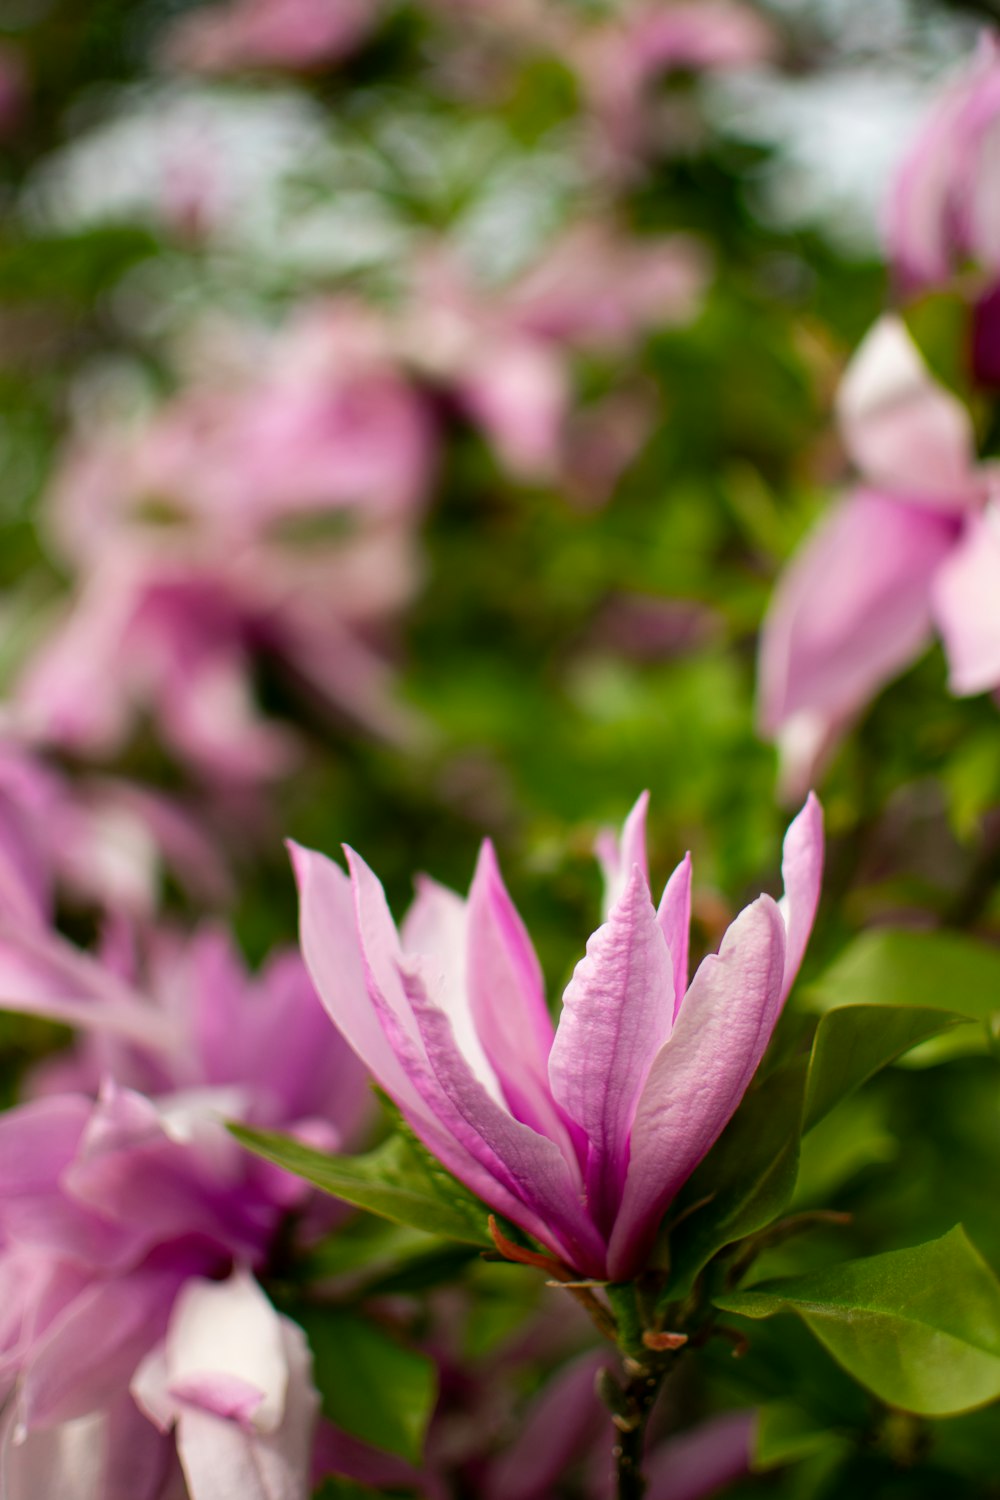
[139,1358]
[270,509]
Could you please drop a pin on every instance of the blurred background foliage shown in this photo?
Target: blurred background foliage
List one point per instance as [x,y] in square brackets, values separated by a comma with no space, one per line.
[561,652]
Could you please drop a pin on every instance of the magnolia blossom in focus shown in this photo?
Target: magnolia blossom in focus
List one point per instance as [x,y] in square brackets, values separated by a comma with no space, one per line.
[265,512]
[583,1134]
[507,354]
[917,547]
[299,35]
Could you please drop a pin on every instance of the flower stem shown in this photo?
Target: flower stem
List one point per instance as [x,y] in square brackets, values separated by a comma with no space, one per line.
[630,1421]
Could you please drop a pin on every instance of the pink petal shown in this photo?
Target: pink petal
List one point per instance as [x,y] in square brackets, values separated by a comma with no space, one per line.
[442,1124]
[967,606]
[674,917]
[328,932]
[531,1166]
[617,1011]
[224,1342]
[903,430]
[851,611]
[617,854]
[703,1460]
[700,1074]
[436,927]
[554,1432]
[507,1001]
[802,873]
[221,1458]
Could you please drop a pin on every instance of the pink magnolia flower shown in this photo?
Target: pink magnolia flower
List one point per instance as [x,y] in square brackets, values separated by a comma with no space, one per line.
[917,546]
[114,1232]
[943,210]
[508,355]
[272,512]
[582,1134]
[131,1224]
[298,35]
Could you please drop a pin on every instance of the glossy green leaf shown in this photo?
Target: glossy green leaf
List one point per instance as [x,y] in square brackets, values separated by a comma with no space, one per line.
[749,1176]
[372,1387]
[897,966]
[918,1327]
[854,1042]
[399,1180]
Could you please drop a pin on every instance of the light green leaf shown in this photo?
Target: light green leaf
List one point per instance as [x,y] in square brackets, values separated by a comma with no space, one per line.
[854,1042]
[898,966]
[399,1180]
[918,1327]
[372,1387]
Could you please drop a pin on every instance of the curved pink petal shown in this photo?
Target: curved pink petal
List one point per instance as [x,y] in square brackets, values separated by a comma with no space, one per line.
[618,1009]
[853,608]
[617,853]
[328,933]
[437,927]
[904,431]
[507,1000]
[224,1342]
[220,1457]
[674,917]
[700,1074]
[802,874]
[532,1166]
[470,1132]
[966,599]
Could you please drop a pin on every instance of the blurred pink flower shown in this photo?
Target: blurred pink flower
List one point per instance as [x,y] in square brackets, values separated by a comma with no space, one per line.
[581,1135]
[944,210]
[917,547]
[272,512]
[620,62]
[102,840]
[507,355]
[130,1225]
[297,35]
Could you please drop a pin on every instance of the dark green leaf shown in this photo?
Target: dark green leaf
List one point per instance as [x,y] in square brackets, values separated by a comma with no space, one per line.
[372,1387]
[918,1327]
[399,1181]
[786,1433]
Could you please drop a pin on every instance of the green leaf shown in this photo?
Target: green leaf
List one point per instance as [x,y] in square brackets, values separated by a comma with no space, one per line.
[399,1180]
[897,966]
[749,1176]
[786,1433]
[854,1042]
[918,1327]
[372,1387]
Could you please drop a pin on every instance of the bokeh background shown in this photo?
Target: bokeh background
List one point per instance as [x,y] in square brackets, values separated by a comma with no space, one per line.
[403,421]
